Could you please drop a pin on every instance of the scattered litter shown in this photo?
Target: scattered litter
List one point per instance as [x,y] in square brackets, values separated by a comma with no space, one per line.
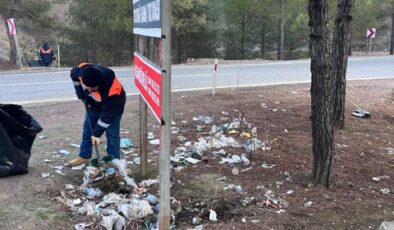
[385,191]
[137,160]
[110,171]
[77,201]
[69,187]
[75,145]
[181,138]
[212,215]
[273,201]
[361,114]
[234,159]
[199,227]
[205,119]
[222,178]
[246,134]
[92,192]
[112,220]
[255,221]
[122,167]
[247,169]
[390,151]
[64,152]
[196,220]
[386,225]
[289,192]
[42,137]
[43,175]
[233,131]
[245,160]
[154,142]
[47,161]
[175,130]
[149,182]
[286,131]
[124,132]
[307,204]
[125,152]
[233,187]
[152,199]
[79,167]
[81,226]
[235,171]
[88,209]
[243,220]
[59,171]
[192,160]
[280,211]
[135,209]
[294,92]
[125,143]
[378,178]
[267,166]
[254,144]
[151,136]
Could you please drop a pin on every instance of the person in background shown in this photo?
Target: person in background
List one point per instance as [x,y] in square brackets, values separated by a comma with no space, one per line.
[46,55]
[105,100]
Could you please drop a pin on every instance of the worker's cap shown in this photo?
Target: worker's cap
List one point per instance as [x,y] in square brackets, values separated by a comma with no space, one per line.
[91,76]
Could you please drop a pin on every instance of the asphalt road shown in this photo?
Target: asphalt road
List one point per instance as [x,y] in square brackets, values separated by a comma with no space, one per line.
[26,87]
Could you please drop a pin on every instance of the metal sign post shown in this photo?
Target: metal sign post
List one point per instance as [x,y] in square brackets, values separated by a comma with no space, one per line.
[165,134]
[371,33]
[152,18]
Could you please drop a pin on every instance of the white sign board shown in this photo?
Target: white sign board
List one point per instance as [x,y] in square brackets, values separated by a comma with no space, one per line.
[147,18]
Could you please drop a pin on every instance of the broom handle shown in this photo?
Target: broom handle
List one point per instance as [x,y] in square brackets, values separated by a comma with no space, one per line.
[91,128]
[353,103]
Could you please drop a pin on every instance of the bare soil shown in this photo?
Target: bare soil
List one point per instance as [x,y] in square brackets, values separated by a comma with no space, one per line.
[364,150]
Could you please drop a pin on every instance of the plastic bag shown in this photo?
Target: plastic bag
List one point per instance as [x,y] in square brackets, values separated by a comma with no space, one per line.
[18,129]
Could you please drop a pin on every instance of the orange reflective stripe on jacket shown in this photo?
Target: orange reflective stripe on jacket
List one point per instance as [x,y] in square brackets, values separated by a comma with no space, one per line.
[96,96]
[116,88]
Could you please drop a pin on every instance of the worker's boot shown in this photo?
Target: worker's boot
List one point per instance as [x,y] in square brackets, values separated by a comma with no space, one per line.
[77,161]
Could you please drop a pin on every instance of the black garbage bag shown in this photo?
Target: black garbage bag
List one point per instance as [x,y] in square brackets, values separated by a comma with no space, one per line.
[18,129]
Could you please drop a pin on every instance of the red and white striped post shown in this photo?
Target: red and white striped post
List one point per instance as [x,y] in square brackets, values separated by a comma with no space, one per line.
[12,32]
[215,70]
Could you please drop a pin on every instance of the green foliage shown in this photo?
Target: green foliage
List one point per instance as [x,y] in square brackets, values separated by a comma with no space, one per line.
[100,32]
[32,19]
[190,27]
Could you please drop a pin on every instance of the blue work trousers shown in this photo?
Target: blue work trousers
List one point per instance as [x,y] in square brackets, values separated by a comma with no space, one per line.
[112,133]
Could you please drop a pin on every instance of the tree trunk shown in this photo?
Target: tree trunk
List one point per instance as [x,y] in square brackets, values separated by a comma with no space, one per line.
[262,48]
[340,51]
[392,35]
[322,130]
[281,30]
[243,37]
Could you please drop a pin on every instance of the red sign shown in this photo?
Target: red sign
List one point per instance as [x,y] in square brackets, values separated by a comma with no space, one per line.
[147,79]
[371,32]
[11,26]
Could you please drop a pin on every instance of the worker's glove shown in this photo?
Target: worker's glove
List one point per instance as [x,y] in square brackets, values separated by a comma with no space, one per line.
[95,140]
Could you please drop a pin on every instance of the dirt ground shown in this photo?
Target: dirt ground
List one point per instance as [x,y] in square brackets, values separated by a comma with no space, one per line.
[365,149]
